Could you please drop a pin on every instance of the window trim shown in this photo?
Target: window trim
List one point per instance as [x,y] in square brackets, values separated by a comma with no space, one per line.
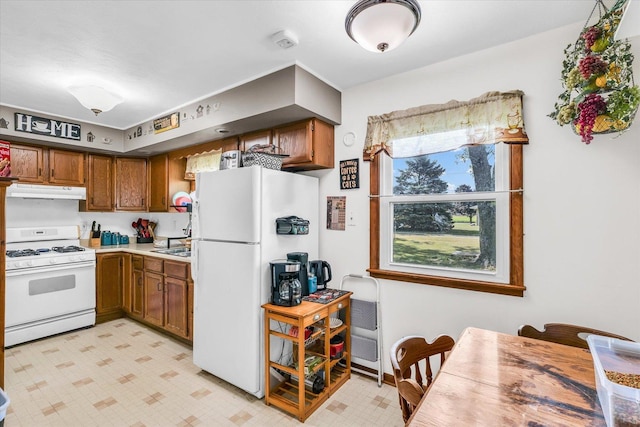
[515,287]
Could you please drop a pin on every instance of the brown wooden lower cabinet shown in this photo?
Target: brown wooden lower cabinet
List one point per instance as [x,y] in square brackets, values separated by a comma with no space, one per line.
[137,290]
[111,279]
[153,298]
[176,298]
[152,290]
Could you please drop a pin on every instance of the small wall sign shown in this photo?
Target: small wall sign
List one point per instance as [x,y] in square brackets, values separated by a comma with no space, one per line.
[336,212]
[47,127]
[349,174]
[166,123]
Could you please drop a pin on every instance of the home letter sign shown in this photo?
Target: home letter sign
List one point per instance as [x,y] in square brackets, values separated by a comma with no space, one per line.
[47,127]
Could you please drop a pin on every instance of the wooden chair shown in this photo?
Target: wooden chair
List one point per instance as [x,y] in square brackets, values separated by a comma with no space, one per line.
[414,351]
[573,335]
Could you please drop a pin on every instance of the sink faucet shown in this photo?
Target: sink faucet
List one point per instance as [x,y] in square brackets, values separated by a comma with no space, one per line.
[187,229]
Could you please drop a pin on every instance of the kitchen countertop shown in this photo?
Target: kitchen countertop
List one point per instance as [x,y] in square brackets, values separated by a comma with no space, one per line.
[134,248]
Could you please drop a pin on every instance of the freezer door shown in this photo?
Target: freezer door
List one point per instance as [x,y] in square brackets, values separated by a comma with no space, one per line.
[227,205]
[227,323]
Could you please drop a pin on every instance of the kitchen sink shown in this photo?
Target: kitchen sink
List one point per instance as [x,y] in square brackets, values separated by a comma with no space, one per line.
[185,252]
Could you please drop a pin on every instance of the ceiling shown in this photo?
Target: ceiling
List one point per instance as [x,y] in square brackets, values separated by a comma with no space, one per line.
[160,55]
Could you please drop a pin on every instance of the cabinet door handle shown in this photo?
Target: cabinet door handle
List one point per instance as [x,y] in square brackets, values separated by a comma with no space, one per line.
[316,317]
[158,286]
[339,305]
[52,174]
[163,199]
[39,171]
[139,281]
[92,200]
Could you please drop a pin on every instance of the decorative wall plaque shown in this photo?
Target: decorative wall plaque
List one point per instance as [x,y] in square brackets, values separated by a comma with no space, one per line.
[166,123]
[336,212]
[349,174]
[46,127]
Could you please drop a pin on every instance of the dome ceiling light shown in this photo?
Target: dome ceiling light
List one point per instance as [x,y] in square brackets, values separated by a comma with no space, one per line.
[382,25]
[95,98]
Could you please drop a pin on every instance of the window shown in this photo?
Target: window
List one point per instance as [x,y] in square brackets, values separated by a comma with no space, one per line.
[448,218]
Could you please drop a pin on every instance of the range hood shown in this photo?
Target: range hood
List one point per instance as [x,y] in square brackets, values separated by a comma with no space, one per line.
[35,191]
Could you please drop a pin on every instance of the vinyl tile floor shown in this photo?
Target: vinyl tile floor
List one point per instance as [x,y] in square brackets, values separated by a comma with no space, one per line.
[121,373]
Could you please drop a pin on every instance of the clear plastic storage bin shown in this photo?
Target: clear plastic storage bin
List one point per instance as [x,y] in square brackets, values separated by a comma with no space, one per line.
[621,360]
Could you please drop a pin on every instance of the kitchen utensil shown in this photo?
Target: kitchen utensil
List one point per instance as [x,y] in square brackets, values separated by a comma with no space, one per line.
[152,226]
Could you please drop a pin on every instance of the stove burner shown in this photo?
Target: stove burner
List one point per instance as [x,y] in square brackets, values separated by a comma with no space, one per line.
[67,249]
[21,252]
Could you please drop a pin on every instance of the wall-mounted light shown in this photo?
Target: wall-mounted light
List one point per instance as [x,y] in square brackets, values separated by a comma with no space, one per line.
[382,25]
[95,98]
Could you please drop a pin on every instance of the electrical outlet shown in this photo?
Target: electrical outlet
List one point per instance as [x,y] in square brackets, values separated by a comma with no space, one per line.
[85,226]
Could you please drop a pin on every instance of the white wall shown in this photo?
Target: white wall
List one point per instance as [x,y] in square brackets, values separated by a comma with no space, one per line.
[40,213]
[582,242]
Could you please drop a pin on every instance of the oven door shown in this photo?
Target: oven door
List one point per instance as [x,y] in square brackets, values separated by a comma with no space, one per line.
[46,294]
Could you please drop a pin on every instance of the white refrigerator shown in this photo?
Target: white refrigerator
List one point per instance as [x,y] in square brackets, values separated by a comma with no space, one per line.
[233,240]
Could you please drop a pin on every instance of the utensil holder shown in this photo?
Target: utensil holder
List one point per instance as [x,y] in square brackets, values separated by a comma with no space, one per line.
[94,242]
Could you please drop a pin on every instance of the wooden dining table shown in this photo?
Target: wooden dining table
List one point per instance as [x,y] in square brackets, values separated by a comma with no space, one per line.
[495,379]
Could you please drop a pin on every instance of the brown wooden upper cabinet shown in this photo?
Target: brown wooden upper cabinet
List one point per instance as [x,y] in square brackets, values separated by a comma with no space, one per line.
[99,184]
[261,137]
[131,184]
[66,167]
[40,165]
[166,177]
[309,144]
[27,163]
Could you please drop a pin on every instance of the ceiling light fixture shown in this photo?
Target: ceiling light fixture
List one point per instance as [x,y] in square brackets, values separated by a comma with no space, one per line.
[95,98]
[382,25]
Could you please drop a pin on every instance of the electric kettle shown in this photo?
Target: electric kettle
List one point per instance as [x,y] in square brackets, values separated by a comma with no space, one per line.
[322,270]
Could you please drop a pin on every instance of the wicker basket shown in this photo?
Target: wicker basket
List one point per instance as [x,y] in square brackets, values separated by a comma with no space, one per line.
[263,155]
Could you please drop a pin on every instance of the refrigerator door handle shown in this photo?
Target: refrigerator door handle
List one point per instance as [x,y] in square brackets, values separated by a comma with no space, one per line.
[195,221]
[195,256]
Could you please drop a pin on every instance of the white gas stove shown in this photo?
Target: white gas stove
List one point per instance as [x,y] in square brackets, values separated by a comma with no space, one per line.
[50,283]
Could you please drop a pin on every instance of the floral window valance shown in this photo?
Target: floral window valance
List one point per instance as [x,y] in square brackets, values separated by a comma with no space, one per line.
[202,162]
[491,118]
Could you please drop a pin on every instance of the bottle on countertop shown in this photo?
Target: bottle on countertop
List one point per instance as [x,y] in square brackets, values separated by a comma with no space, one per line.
[313,283]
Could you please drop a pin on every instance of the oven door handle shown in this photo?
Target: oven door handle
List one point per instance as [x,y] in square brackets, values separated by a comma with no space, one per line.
[50,268]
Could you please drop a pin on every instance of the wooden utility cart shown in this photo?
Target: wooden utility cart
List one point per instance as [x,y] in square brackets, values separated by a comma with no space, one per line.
[288,325]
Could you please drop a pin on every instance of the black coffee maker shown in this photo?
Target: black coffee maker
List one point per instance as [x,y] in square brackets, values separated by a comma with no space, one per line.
[285,285]
[303,259]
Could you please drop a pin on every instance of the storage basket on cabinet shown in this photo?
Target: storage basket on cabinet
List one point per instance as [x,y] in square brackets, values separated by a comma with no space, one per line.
[263,155]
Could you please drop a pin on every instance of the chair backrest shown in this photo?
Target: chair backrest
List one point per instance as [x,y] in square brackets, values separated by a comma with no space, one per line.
[573,335]
[409,356]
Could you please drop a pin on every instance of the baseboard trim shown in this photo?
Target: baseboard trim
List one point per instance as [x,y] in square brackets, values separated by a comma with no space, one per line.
[386,378]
